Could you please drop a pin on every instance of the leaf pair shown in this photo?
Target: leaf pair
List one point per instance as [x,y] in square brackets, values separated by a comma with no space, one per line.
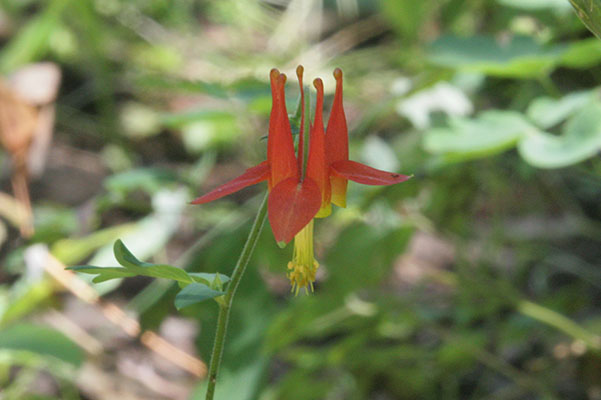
[196,286]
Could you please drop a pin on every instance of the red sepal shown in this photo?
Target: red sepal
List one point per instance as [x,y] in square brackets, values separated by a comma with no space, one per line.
[280,146]
[361,173]
[317,167]
[291,206]
[251,176]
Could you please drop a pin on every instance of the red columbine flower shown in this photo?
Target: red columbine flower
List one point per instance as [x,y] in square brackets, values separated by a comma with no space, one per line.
[299,192]
[292,202]
[329,166]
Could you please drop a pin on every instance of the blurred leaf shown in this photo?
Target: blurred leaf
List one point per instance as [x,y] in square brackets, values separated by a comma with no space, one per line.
[518,57]
[22,298]
[584,53]
[31,43]
[459,351]
[560,5]
[589,12]
[167,83]
[195,293]
[41,340]
[54,222]
[156,57]
[490,133]
[70,251]
[178,120]
[139,121]
[581,139]
[407,17]
[150,180]
[547,112]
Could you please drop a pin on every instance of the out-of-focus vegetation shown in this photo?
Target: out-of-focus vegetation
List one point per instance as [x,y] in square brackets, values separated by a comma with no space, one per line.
[478,279]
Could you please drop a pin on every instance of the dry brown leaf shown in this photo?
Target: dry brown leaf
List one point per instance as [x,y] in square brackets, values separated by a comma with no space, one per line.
[26,122]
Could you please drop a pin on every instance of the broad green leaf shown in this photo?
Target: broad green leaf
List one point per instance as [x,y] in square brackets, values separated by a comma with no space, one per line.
[581,139]
[519,57]
[131,266]
[42,341]
[589,12]
[490,133]
[547,112]
[195,293]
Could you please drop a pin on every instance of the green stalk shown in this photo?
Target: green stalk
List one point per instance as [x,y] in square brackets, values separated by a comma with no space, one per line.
[225,303]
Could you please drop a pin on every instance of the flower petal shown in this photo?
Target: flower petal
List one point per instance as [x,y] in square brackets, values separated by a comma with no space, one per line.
[301,133]
[337,130]
[361,173]
[280,146]
[317,167]
[337,142]
[291,206]
[252,175]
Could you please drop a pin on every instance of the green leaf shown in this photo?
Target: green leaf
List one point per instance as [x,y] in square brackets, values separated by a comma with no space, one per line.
[547,112]
[519,57]
[42,341]
[589,12]
[195,293]
[581,139]
[24,297]
[208,278]
[583,54]
[132,267]
[490,133]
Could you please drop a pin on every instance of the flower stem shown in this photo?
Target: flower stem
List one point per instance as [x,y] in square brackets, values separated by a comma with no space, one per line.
[226,302]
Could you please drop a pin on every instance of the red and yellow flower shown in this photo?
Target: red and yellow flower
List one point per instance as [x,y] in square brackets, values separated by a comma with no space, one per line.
[300,191]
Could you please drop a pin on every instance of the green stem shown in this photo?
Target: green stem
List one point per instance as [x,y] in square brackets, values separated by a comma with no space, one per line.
[560,322]
[225,303]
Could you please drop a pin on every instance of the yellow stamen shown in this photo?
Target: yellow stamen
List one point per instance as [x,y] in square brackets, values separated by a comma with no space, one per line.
[302,268]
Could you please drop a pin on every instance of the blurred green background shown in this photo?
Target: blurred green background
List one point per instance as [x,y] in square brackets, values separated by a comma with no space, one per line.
[480,278]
